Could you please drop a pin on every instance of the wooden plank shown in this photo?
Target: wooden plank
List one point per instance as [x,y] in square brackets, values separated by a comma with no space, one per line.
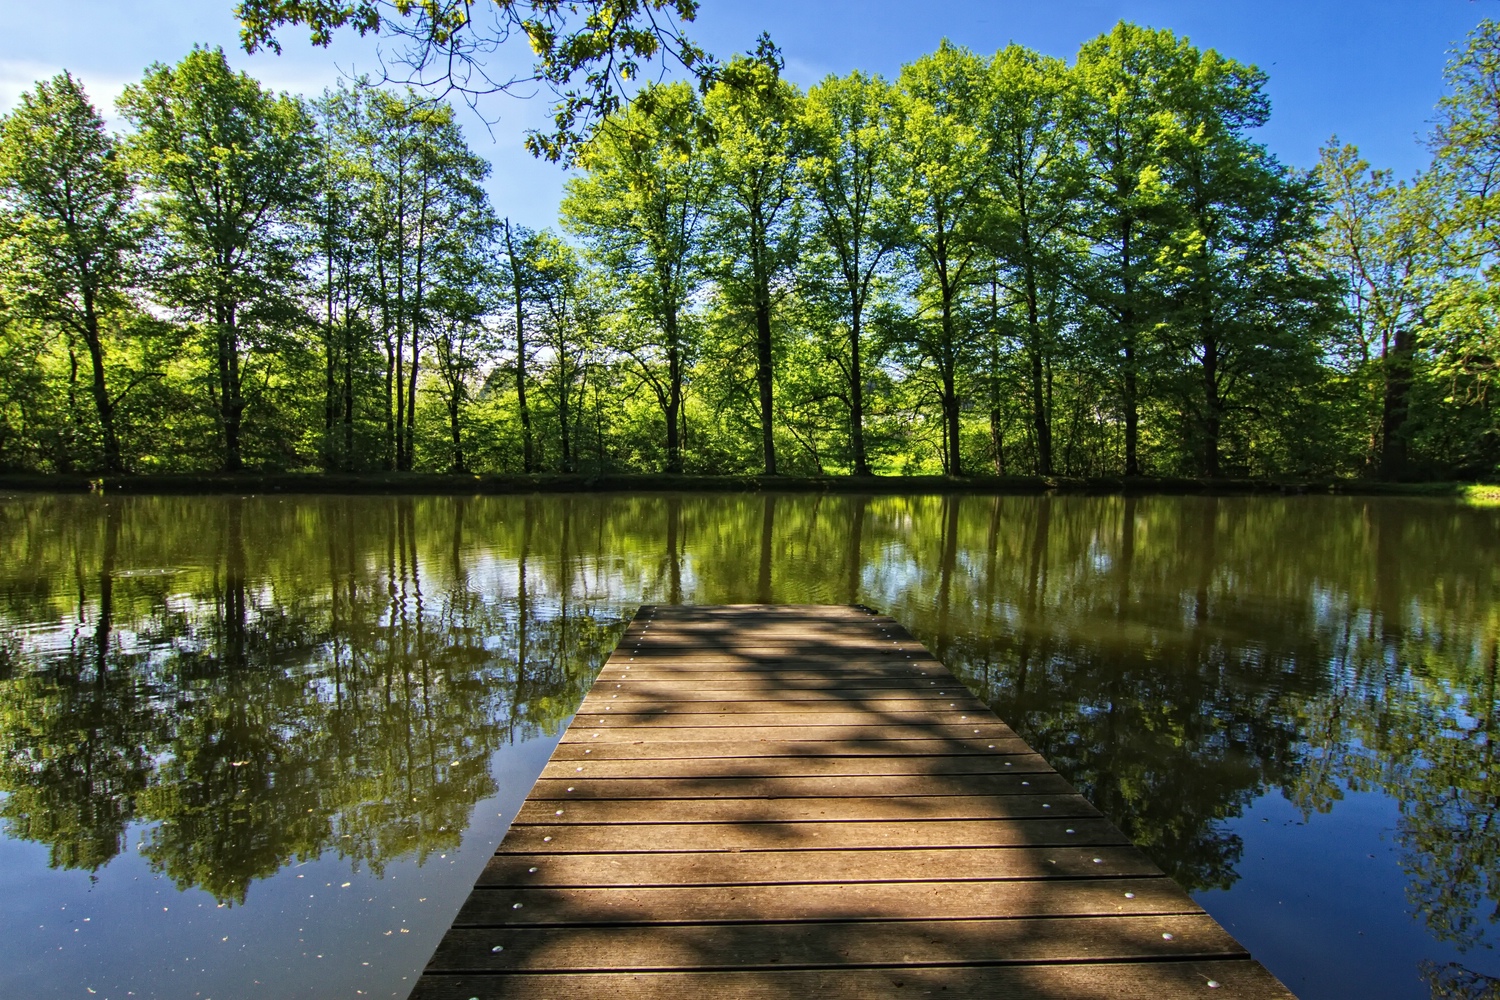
[1001,749]
[970,900]
[576,787]
[748,868]
[806,809]
[1240,979]
[594,730]
[811,945]
[809,836]
[788,802]
[758,703]
[800,765]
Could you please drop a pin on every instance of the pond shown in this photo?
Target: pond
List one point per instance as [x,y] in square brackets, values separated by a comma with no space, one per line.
[261,746]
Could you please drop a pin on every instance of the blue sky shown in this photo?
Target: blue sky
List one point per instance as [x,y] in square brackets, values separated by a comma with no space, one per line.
[1368,71]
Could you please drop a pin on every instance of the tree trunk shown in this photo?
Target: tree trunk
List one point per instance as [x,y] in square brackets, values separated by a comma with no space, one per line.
[1213,420]
[857,396]
[416,333]
[330,360]
[949,364]
[348,408]
[1398,378]
[102,403]
[519,301]
[763,372]
[230,407]
[1127,332]
[673,410]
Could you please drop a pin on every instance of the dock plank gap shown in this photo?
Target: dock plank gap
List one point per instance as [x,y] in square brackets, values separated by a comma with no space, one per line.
[768,801]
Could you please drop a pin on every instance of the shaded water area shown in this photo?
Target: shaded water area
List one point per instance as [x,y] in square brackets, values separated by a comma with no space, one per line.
[261,746]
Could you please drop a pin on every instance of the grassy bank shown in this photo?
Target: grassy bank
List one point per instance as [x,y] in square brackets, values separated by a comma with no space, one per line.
[385,483]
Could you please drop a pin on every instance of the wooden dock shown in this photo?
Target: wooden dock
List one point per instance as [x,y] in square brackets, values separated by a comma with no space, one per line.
[761,801]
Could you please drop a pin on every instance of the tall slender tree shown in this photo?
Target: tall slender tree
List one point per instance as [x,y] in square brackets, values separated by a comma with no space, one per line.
[1125,84]
[846,120]
[940,174]
[67,225]
[640,206]
[757,141]
[1031,128]
[227,161]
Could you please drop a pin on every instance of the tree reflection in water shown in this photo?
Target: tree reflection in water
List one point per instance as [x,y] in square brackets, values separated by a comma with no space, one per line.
[303,683]
[259,681]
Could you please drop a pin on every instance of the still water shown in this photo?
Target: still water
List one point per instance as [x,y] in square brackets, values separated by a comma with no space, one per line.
[261,746]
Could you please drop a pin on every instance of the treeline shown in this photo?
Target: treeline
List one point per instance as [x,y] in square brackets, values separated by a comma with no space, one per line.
[1005,264]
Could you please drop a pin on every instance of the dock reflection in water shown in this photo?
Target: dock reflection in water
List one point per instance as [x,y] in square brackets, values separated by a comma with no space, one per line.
[215,712]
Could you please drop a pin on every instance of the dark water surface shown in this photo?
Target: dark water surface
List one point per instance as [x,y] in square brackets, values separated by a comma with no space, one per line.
[261,746]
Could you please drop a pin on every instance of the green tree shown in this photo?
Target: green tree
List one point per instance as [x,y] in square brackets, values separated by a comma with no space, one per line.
[640,207]
[228,162]
[1466,324]
[572,303]
[1126,80]
[1373,240]
[1246,300]
[67,225]
[1031,125]
[755,225]
[940,175]
[846,121]
[520,253]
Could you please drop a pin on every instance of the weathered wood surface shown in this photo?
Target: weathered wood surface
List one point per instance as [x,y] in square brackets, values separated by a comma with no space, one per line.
[786,802]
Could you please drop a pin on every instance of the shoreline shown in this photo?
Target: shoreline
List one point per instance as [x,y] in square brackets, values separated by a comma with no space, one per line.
[398,484]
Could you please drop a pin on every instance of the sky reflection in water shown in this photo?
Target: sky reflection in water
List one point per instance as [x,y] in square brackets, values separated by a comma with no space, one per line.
[215,712]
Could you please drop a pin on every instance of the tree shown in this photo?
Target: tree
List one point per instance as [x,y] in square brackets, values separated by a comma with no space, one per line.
[571,316]
[1374,241]
[940,175]
[462,293]
[846,121]
[640,207]
[1125,81]
[757,141]
[67,225]
[228,163]
[445,44]
[1031,125]
[520,251]
[1466,324]
[1243,288]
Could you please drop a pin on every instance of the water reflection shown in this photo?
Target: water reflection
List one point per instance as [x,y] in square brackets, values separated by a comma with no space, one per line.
[258,681]
[266,683]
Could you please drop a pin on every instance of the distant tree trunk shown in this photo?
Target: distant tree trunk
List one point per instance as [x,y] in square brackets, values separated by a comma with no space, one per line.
[857,395]
[948,364]
[1213,420]
[1397,362]
[389,458]
[348,359]
[1127,336]
[330,359]
[764,375]
[231,406]
[518,289]
[416,333]
[102,403]
[455,430]
[673,409]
